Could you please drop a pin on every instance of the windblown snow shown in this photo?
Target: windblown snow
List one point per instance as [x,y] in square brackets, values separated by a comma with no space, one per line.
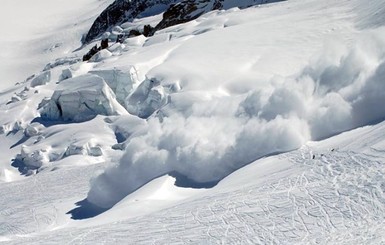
[231,128]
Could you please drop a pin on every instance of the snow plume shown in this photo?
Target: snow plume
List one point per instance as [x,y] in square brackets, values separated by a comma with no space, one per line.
[212,137]
[349,86]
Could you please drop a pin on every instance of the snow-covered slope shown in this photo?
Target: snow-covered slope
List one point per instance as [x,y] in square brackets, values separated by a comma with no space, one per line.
[328,192]
[35,33]
[205,132]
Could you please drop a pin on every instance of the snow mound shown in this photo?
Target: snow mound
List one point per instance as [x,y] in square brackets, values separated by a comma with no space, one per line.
[80,99]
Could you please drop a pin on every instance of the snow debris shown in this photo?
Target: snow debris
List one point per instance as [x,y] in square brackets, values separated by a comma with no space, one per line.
[101,55]
[15,98]
[116,48]
[17,126]
[34,159]
[95,151]
[121,82]
[147,98]
[33,129]
[80,99]
[106,35]
[85,150]
[41,79]
[62,61]
[137,41]
[75,70]
[66,74]
[116,30]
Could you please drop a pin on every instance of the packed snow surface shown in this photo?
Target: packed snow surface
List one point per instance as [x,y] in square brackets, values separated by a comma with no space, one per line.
[226,129]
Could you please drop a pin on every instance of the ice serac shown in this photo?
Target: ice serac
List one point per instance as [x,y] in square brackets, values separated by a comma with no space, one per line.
[41,79]
[125,10]
[149,96]
[80,99]
[121,82]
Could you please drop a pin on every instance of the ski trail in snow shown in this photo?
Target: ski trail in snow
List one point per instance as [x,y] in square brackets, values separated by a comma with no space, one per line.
[336,197]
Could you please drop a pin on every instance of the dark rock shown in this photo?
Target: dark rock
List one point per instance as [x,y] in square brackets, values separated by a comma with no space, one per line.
[188,10]
[125,10]
[91,53]
[120,38]
[175,12]
[148,30]
[104,43]
[134,33]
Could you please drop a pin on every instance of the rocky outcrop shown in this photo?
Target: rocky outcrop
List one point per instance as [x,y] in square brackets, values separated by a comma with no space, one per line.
[175,12]
[188,10]
[125,10]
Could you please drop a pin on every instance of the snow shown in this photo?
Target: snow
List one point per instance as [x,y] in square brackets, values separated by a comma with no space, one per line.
[41,79]
[35,36]
[228,129]
[122,83]
[280,113]
[80,99]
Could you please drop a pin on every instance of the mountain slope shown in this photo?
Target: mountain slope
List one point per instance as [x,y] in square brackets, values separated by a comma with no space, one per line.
[227,128]
[175,12]
[123,10]
[33,36]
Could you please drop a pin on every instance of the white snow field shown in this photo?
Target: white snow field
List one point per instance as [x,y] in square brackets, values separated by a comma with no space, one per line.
[256,126]
[35,32]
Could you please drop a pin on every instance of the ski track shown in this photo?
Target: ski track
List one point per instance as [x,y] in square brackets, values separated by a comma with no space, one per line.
[337,197]
[34,206]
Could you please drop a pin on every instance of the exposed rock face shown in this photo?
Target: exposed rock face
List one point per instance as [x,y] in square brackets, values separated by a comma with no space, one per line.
[175,12]
[125,10]
[80,99]
[188,10]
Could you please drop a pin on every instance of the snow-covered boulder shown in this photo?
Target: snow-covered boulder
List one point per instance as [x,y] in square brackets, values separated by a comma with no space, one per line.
[80,99]
[119,81]
[41,79]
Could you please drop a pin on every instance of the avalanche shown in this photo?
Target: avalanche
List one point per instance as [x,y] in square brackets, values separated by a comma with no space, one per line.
[228,128]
